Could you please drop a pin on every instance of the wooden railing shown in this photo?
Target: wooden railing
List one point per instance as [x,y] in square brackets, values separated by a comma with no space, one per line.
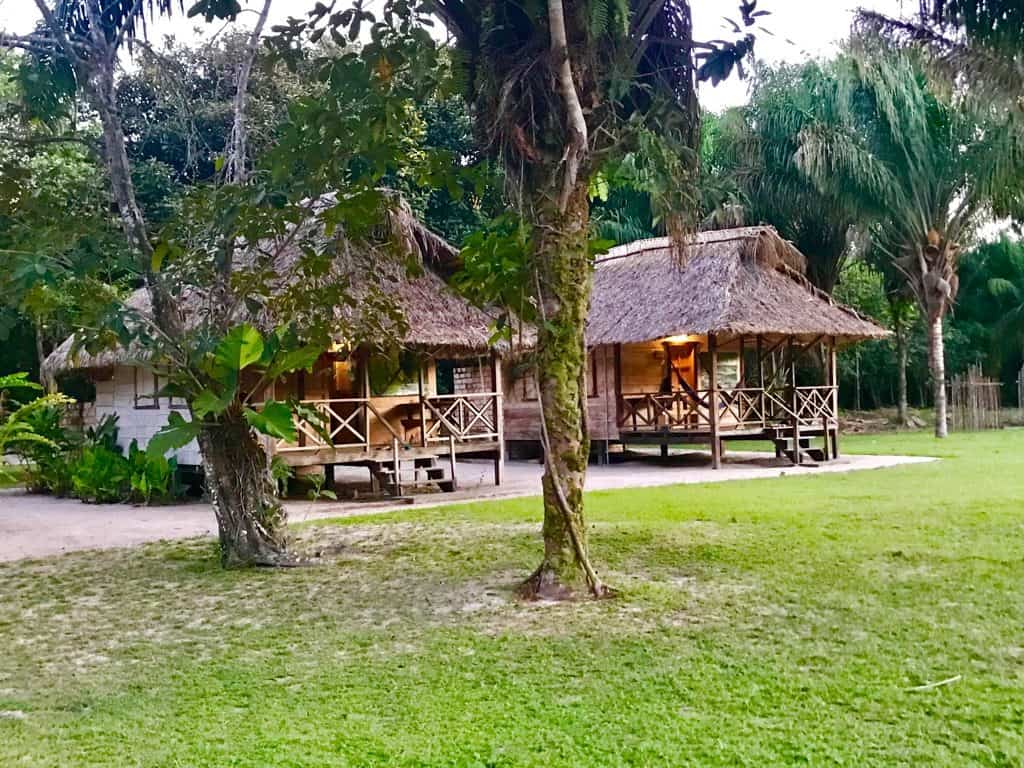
[740,408]
[469,417]
[671,410]
[357,422]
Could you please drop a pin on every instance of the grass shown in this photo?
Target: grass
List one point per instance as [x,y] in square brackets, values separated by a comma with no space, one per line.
[770,622]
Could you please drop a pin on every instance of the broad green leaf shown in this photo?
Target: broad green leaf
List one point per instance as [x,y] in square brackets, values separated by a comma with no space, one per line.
[297,359]
[177,433]
[242,347]
[208,402]
[274,419]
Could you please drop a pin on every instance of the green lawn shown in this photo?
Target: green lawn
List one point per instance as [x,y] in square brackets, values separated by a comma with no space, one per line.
[771,622]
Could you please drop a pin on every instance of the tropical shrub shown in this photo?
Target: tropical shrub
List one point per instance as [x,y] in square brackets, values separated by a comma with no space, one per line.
[152,479]
[104,434]
[48,465]
[20,412]
[101,476]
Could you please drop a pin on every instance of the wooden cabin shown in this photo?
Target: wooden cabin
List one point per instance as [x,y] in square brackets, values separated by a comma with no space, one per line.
[727,341]
[405,410]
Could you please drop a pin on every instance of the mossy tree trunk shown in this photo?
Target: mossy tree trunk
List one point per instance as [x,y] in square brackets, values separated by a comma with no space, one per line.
[250,518]
[563,288]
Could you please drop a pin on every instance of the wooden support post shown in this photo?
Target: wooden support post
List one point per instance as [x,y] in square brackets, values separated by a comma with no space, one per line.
[453,462]
[713,415]
[397,466]
[364,368]
[794,401]
[664,450]
[300,394]
[497,387]
[329,477]
[743,367]
[618,385]
[834,383]
[423,406]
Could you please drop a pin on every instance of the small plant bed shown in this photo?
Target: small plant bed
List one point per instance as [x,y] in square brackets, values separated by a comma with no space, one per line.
[869,619]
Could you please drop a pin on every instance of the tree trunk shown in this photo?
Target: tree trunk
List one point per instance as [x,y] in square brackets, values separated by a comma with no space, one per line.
[937,355]
[902,406]
[250,519]
[563,287]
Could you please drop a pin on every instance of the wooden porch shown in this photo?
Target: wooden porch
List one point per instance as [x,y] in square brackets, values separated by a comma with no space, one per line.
[406,440]
[764,400]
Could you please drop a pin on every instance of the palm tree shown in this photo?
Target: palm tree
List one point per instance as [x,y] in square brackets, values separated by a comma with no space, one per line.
[756,147]
[932,168]
[978,42]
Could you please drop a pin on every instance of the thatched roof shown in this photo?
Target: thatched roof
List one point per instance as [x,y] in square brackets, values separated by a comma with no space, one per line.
[424,312]
[745,281]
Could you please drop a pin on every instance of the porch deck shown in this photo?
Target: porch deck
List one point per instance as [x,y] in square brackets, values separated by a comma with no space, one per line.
[386,433]
[787,417]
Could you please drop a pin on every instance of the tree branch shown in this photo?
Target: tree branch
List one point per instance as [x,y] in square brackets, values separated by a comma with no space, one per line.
[577,123]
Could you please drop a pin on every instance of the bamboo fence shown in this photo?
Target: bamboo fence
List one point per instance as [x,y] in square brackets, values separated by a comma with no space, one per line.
[975,402]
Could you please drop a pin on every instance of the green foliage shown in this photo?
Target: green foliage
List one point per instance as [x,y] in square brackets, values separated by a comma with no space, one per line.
[152,479]
[318,492]
[22,429]
[48,465]
[104,433]
[281,472]
[101,476]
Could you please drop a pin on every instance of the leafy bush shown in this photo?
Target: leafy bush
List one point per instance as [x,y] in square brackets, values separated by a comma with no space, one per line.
[49,464]
[152,479]
[104,434]
[101,475]
[29,425]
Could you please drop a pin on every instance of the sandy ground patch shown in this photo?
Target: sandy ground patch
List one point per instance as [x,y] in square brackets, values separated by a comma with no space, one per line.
[39,526]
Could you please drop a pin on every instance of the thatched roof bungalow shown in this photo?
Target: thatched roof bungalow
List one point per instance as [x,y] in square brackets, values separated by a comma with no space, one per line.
[726,340]
[730,282]
[413,371]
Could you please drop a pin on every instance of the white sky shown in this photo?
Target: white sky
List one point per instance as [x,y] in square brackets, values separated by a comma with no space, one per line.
[800,29]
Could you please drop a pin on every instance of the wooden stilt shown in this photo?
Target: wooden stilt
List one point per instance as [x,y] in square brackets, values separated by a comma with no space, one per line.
[453,462]
[497,386]
[834,383]
[713,415]
[794,401]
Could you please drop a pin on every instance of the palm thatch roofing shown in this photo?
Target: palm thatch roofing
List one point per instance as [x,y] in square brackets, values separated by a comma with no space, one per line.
[745,281]
[423,311]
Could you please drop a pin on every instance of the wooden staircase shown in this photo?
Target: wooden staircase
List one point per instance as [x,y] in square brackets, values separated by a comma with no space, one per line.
[797,451]
[409,472]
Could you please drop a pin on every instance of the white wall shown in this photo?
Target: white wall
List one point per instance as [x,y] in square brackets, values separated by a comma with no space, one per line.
[117,395]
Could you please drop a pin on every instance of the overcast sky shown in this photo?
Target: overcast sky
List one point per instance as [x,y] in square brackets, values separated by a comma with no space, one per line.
[799,29]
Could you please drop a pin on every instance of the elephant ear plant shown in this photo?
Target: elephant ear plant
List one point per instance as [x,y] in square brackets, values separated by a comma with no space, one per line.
[225,387]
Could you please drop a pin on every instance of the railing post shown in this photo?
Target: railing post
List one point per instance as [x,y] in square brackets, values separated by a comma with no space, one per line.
[794,403]
[499,418]
[834,383]
[423,408]
[716,443]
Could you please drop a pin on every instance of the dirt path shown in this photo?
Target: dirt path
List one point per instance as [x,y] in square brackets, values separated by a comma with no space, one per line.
[40,526]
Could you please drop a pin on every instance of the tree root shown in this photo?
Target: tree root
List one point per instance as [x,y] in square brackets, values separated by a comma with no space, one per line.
[545,585]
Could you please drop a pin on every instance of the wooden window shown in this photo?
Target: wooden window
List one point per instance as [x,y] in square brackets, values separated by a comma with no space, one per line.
[147,390]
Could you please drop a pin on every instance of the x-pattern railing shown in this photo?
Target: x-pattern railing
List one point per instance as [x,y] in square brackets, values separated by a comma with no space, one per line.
[658,411]
[464,417]
[342,423]
[739,408]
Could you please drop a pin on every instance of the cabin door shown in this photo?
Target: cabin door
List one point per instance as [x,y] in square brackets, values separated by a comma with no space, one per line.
[680,367]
